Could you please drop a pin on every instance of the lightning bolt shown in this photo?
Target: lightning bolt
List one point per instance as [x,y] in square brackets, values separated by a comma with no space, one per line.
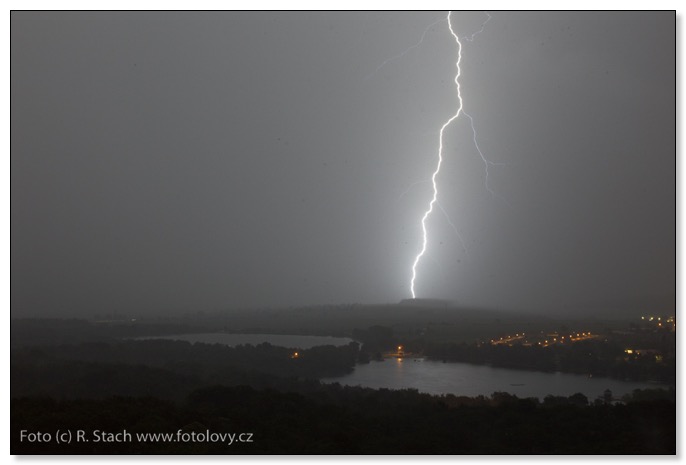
[445,213]
[434,198]
[487,163]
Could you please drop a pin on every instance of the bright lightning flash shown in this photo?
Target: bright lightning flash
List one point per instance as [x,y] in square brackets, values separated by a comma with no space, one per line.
[440,157]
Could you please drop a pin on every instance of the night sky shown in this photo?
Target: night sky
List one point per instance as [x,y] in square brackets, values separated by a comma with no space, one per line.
[182,161]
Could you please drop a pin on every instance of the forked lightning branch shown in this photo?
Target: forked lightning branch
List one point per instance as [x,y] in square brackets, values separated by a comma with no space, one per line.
[457,114]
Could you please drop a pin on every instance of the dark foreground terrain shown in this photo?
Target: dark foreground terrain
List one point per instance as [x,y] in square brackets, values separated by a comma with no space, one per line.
[85,389]
[243,420]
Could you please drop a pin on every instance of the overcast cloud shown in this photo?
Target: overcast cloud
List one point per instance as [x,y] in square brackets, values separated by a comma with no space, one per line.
[170,161]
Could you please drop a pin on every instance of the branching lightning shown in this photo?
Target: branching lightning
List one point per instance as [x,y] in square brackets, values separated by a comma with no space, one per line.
[460,111]
[440,157]
[457,233]
[404,52]
[411,186]
[487,163]
[471,37]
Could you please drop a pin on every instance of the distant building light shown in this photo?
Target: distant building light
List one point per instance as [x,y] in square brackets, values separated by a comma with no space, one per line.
[629,351]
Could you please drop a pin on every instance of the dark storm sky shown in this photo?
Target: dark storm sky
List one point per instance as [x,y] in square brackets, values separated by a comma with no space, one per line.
[168,161]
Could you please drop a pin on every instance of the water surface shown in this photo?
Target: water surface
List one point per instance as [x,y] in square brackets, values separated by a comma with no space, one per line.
[463,379]
[435,377]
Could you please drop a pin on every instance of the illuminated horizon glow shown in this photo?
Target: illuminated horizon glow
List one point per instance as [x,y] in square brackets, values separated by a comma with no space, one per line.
[440,159]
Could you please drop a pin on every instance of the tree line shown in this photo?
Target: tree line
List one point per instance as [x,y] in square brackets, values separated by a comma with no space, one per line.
[597,358]
[349,420]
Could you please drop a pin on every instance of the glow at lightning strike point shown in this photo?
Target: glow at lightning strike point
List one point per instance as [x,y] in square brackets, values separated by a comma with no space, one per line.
[440,158]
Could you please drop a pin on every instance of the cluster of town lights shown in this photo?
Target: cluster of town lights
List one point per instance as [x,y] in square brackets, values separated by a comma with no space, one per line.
[669,322]
[571,337]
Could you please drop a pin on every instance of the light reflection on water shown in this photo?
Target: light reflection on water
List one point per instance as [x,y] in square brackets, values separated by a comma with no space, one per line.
[435,377]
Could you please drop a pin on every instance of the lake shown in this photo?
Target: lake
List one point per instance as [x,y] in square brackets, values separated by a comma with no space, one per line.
[435,377]
[463,379]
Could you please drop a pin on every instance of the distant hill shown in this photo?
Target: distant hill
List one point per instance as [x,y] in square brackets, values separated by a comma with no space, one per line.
[426,303]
